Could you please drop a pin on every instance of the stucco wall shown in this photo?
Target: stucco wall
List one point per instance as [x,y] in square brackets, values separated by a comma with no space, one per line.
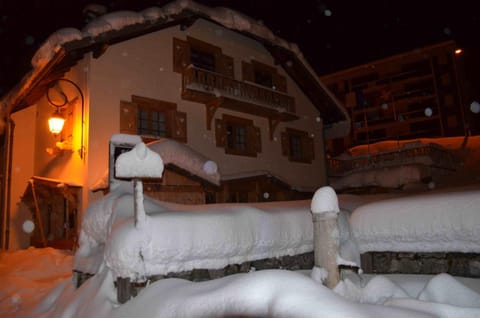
[22,171]
[144,66]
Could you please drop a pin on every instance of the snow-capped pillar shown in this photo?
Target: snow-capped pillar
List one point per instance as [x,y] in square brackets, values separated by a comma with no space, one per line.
[325,209]
[140,162]
[140,216]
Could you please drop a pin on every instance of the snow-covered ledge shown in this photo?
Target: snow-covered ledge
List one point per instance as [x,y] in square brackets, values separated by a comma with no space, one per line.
[325,209]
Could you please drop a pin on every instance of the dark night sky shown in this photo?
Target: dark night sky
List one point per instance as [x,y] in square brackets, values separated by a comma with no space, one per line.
[332,34]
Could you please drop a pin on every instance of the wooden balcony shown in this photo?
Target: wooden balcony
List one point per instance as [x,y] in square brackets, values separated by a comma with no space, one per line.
[428,155]
[216,90]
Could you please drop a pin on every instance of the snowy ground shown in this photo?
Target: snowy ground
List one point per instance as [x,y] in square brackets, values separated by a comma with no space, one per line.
[162,237]
[37,283]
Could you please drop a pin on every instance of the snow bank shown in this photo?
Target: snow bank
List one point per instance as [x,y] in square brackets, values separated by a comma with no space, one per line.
[178,240]
[434,222]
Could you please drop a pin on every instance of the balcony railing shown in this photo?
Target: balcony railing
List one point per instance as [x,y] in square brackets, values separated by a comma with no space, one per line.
[429,155]
[218,85]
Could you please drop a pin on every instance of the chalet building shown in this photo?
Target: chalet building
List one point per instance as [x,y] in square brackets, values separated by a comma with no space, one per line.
[422,93]
[211,79]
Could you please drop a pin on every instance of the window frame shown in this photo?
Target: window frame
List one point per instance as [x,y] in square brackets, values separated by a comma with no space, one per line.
[175,121]
[182,56]
[302,152]
[252,136]
[251,72]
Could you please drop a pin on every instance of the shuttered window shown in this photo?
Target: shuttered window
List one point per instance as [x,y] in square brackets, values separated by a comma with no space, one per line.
[151,118]
[298,146]
[238,136]
[265,75]
[202,55]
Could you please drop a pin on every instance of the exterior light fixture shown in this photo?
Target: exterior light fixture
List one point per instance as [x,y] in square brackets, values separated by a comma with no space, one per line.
[64,105]
[458,51]
[56,122]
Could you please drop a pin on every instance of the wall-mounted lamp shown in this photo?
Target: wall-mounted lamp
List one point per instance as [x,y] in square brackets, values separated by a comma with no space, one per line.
[57,120]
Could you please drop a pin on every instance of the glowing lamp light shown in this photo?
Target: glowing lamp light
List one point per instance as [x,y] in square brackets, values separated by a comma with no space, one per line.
[55,123]
[458,51]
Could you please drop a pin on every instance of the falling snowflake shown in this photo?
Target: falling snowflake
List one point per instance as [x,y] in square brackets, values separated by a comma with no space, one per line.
[475,107]
[327,13]
[28,226]
[266,195]
[428,112]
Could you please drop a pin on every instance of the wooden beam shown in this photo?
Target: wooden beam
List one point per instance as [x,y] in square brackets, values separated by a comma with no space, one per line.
[272,125]
[38,215]
[211,109]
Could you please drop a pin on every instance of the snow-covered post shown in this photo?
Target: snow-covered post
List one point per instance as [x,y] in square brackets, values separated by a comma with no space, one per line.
[140,162]
[325,233]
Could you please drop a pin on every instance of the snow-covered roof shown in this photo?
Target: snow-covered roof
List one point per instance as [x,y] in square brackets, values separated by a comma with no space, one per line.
[69,45]
[172,153]
[186,158]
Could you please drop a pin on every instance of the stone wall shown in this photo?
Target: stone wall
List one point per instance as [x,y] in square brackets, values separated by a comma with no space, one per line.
[127,289]
[458,264]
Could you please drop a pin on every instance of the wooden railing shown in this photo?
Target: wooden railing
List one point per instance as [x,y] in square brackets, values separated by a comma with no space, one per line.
[430,155]
[218,84]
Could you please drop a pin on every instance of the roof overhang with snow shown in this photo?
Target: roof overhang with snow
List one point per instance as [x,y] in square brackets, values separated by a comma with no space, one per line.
[66,49]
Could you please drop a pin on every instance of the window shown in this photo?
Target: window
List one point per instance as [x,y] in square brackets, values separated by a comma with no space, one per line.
[263,78]
[298,146]
[238,136]
[265,75]
[202,55]
[152,118]
[296,151]
[151,122]
[202,59]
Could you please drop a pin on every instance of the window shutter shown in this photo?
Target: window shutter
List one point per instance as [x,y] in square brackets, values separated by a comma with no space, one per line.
[247,72]
[280,83]
[252,140]
[285,144]
[258,140]
[351,99]
[220,133]
[225,65]
[128,118]
[181,55]
[308,149]
[179,126]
